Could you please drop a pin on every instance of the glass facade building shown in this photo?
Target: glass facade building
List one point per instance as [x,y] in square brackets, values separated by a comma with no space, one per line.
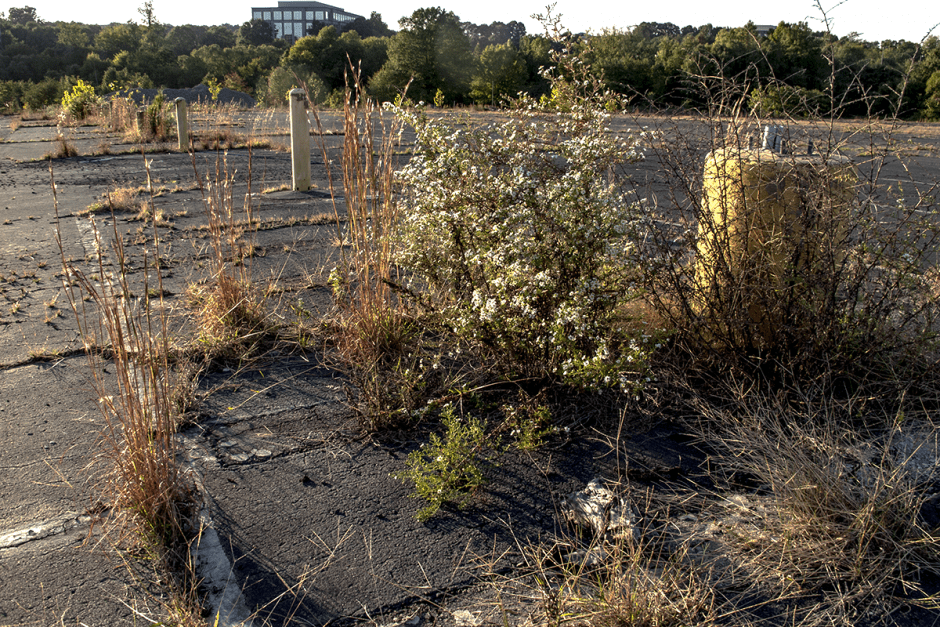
[292,19]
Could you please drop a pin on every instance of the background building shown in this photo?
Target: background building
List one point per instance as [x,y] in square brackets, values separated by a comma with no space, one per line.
[292,19]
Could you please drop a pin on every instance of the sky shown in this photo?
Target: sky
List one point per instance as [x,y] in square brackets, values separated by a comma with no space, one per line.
[872,19]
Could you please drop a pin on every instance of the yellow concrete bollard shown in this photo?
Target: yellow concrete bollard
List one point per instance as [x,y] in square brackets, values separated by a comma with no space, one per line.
[182,124]
[773,228]
[299,141]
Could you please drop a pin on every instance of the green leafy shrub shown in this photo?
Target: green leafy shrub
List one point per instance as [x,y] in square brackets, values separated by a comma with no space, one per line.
[783,100]
[80,101]
[523,232]
[530,426]
[158,121]
[42,94]
[11,96]
[447,470]
[282,80]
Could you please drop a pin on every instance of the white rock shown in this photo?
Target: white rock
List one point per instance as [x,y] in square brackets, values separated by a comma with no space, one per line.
[465,618]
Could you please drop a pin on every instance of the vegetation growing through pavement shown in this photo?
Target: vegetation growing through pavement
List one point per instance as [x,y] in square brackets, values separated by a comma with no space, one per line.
[524,250]
[152,501]
[840,523]
[448,469]
[816,415]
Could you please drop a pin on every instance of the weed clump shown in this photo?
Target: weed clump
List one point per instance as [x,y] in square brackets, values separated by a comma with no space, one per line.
[230,309]
[447,470]
[64,148]
[846,514]
[792,258]
[153,502]
[81,101]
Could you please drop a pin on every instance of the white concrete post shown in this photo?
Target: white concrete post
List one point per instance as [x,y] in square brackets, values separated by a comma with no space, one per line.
[299,140]
[182,124]
[141,120]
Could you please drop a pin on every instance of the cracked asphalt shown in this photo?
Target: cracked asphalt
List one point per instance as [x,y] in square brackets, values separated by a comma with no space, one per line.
[314,527]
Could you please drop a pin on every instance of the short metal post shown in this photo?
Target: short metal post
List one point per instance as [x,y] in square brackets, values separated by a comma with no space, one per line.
[299,140]
[182,124]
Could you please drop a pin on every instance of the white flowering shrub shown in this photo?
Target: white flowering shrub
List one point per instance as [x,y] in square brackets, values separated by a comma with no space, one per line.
[522,229]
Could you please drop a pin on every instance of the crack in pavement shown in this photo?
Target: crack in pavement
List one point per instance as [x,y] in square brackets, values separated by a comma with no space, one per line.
[29,361]
[55,526]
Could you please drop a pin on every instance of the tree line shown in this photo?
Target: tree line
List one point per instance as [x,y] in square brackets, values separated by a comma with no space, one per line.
[792,70]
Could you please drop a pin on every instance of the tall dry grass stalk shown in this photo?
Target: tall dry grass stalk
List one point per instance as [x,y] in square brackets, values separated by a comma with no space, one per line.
[152,501]
[374,327]
[230,308]
[641,582]
[371,211]
[121,115]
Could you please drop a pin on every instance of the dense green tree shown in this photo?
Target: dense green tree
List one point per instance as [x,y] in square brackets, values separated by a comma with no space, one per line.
[93,68]
[535,53]
[625,59]
[118,38]
[374,26]
[282,80]
[432,52]
[325,54]
[500,71]
[256,33]
[224,36]
[795,56]
[735,54]
[241,67]
[182,40]
[22,15]
[328,55]
[924,85]
[73,35]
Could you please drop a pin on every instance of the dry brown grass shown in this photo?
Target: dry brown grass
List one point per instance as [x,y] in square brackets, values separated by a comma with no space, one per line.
[153,504]
[64,149]
[103,147]
[233,320]
[639,578]
[372,325]
[842,523]
[284,187]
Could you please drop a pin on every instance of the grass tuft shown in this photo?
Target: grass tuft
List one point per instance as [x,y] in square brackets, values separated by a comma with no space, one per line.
[153,503]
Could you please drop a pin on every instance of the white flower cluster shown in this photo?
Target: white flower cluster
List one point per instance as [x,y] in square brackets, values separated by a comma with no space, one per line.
[524,229]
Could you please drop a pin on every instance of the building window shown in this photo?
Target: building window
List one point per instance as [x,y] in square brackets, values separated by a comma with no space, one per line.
[321,15]
[267,16]
[277,15]
[278,29]
[256,15]
[309,16]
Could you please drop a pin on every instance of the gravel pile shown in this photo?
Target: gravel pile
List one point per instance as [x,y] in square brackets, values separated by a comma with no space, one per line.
[199,93]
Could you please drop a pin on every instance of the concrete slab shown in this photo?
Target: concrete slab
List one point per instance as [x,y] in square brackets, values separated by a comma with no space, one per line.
[72,578]
[45,466]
